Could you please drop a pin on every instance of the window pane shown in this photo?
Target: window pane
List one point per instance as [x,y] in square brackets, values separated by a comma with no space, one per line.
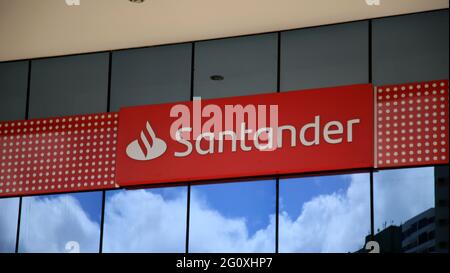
[233,217]
[151,75]
[402,199]
[150,220]
[13,90]
[324,214]
[9,208]
[308,60]
[248,66]
[441,210]
[69,85]
[399,56]
[61,223]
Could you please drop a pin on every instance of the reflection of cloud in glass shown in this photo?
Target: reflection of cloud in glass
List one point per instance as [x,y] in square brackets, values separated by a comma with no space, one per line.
[334,213]
[48,223]
[9,211]
[254,201]
[145,220]
[155,221]
[331,214]
[234,217]
[401,194]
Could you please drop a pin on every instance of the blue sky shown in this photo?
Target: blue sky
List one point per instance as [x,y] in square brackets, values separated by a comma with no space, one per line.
[253,200]
[294,192]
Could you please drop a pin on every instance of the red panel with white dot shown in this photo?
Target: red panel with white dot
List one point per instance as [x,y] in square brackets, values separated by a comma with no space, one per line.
[65,154]
[412,124]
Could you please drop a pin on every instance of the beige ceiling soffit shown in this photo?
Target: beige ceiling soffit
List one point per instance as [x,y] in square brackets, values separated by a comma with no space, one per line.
[42,28]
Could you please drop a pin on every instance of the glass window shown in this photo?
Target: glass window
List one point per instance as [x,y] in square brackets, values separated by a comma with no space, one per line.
[410,48]
[308,60]
[233,217]
[324,213]
[236,66]
[9,208]
[402,198]
[401,194]
[61,223]
[13,90]
[151,75]
[145,220]
[69,85]
[441,211]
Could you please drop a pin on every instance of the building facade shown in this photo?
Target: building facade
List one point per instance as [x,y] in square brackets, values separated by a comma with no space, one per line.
[329,213]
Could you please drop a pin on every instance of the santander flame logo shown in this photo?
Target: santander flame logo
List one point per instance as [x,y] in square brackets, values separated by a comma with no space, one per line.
[147,147]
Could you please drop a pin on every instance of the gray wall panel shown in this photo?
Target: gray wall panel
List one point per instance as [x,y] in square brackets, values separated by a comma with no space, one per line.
[248,65]
[410,48]
[69,85]
[13,90]
[325,56]
[151,75]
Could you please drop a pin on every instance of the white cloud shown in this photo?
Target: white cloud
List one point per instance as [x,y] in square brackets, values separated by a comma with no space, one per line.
[51,222]
[210,231]
[141,221]
[335,222]
[144,221]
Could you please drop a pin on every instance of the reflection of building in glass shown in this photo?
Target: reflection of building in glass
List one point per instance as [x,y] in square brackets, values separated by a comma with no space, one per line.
[389,239]
[416,235]
[441,208]
[427,231]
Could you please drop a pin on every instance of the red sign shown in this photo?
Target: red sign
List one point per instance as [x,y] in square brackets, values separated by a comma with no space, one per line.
[305,131]
[282,133]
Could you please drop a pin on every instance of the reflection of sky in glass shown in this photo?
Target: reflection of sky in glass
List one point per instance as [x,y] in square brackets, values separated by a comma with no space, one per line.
[233,217]
[401,194]
[295,192]
[51,223]
[317,214]
[253,200]
[146,220]
[9,211]
[324,213]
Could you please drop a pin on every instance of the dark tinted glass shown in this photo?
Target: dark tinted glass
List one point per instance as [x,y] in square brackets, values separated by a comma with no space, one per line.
[151,75]
[69,85]
[410,48]
[13,90]
[325,56]
[243,66]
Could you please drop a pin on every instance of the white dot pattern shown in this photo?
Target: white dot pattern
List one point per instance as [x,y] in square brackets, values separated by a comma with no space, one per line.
[64,154]
[412,124]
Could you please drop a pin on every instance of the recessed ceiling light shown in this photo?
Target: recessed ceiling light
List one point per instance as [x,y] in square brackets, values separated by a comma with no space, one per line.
[216,77]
